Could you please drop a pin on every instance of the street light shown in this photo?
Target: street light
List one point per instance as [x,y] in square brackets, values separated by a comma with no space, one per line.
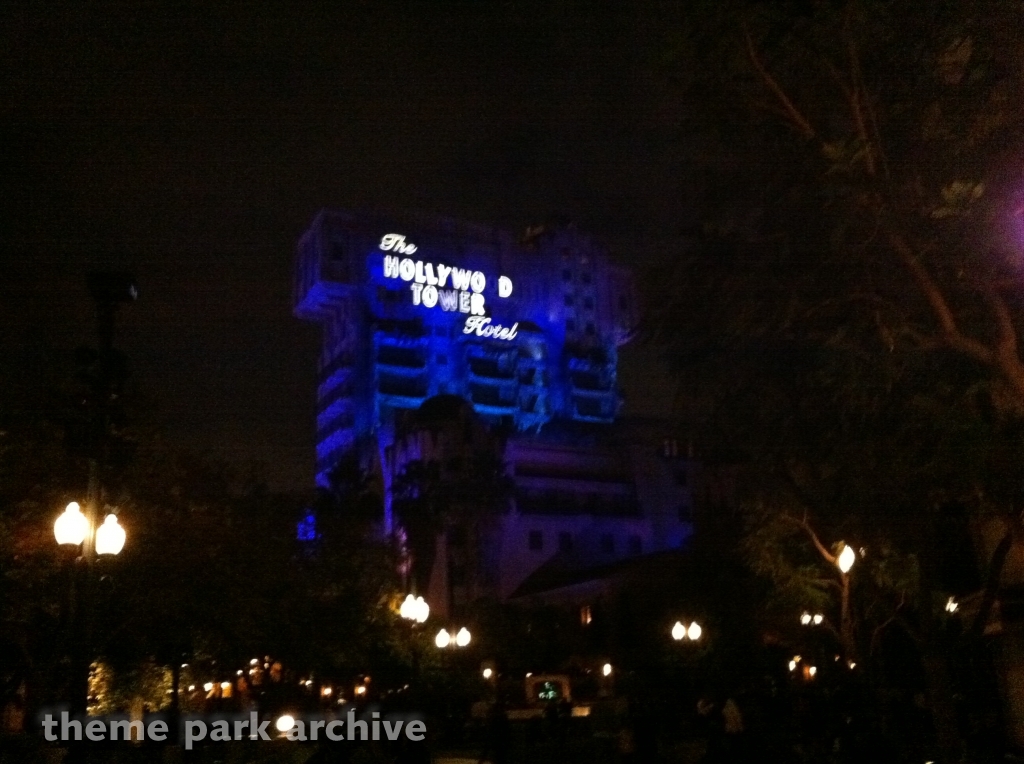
[463,637]
[443,639]
[694,631]
[72,526]
[110,536]
[678,631]
[846,559]
[414,609]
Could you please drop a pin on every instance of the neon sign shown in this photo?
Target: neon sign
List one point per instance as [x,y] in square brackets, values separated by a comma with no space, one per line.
[438,285]
[483,327]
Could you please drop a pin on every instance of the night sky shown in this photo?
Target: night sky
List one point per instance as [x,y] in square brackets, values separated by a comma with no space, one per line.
[194,147]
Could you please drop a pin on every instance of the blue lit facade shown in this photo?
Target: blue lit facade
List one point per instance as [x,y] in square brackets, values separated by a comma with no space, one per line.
[571,308]
[525,331]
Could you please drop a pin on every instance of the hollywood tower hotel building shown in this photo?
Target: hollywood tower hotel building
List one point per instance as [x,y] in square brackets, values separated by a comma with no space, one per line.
[429,317]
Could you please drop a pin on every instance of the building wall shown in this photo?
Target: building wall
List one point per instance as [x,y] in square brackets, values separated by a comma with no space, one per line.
[398,333]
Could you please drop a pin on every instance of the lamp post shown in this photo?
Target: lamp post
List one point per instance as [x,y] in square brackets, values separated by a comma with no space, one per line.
[75,528]
[844,561]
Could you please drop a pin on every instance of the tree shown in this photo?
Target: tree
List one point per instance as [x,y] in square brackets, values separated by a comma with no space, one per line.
[851,305]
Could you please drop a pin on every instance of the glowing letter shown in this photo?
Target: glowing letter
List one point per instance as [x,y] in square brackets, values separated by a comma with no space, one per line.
[390,267]
[416,289]
[477,304]
[407,269]
[388,241]
[464,302]
[442,274]
[420,277]
[478,281]
[504,286]
[449,299]
[431,278]
[429,296]
[460,278]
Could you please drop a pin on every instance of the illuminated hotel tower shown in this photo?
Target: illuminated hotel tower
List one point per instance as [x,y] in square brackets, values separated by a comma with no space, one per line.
[526,332]
[411,309]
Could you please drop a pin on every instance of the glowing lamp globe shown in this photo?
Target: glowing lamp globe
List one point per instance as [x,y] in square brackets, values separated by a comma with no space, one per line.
[463,637]
[846,558]
[110,536]
[694,631]
[421,611]
[408,607]
[678,631]
[285,722]
[443,638]
[71,527]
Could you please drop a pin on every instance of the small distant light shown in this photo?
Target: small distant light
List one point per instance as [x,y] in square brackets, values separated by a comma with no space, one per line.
[225,685]
[694,631]
[852,664]
[488,673]
[309,683]
[239,672]
[529,674]
[284,723]
[952,605]
[805,618]
[254,661]
[184,665]
[812,670]
[792,665]
[798,658]
[443,639]
[818,618]
[208,686]
[360,690]
[191,688]
[606,669]
[326,692]
[678,631]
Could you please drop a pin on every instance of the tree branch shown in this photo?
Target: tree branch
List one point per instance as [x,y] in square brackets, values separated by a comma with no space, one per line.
[789,109]
[803,523]
[855,94]
[951,334]
[995,571]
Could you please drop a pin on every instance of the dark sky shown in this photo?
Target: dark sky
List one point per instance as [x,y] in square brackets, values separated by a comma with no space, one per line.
[195,145]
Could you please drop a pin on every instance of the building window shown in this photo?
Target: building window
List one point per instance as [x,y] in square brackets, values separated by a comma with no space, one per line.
[607,544]
[536,541]
[586,616]
[564,541]
[636,545]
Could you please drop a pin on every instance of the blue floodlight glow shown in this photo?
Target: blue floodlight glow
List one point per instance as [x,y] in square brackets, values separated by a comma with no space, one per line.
[307,527]
[526,332]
